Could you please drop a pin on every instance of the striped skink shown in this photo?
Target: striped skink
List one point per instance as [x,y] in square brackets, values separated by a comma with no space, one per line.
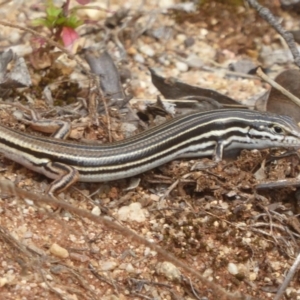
[196,135]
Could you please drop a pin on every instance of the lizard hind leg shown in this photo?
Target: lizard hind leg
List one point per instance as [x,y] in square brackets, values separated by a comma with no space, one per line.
[66,176]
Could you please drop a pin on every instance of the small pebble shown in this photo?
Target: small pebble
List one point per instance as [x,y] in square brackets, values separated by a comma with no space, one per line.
[224,205]
[189,41]
[59,251]
[3,281]
[231,194]
[154,197]
[130,268]
[14,37]
[232,269]
[49,277]
[252,276]
[139,58]
[79,257]
[96,211]
[133,212]
[147,251]
[290,290]
[163,59]
[147,50]
[275,265]
[181,66]
[166,3]
[168,270]
[107,265]
[194,61]
[28,201]
[207,273]
[181,38]
[203,32]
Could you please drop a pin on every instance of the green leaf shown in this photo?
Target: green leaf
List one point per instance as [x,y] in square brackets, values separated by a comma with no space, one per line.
[53,11]
[39,22]
[61,21]
[51,19]
[73,22]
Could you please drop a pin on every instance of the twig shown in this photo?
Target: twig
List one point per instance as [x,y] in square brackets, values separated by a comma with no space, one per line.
[103,98]
[169,190]
[288,37]
[193,290]
[288,278]
[278,87]
[7,186]
[50,287]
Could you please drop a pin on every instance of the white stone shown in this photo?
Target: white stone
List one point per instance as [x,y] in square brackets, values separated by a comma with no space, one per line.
[224,205]
[203,32]
[3,281]
[208,272]
[181,66]
[139,58]
[166,3]
[147,251]
[108,265]
[290,290]
[252,276]
[96,211]
[163,59]
[147,50]
[232,268]
[130,268]
[14,37]
[168,270]
[181,37]
[216,224]
[49,277]
[28,201]
[133,212]
[276,265]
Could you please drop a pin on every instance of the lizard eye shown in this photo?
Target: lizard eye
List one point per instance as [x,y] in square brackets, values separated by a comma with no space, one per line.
[277,129]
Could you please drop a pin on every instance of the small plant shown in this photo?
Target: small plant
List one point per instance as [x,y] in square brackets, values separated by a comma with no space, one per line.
[62,22]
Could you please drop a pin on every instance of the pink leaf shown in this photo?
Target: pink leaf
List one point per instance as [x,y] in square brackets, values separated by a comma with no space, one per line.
[69,36]
[83,2]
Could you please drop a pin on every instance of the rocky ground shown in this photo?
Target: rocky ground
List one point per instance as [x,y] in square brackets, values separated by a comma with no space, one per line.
[213,220]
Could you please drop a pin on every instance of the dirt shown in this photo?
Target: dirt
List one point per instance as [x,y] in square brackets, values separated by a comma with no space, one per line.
[212,219]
